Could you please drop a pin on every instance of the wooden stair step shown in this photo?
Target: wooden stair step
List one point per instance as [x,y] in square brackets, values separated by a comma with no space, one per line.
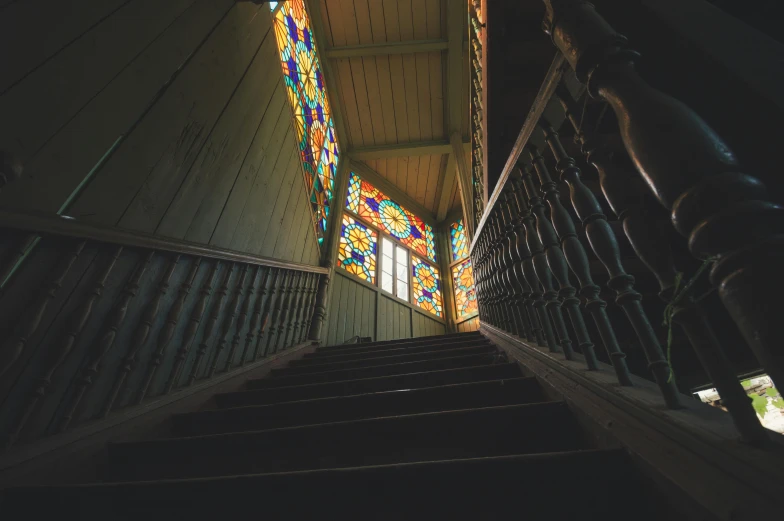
[468,433]
[327,356]
[384,360]
[555,486]
[380,370]
[323,410]
[402,341]
[369,385]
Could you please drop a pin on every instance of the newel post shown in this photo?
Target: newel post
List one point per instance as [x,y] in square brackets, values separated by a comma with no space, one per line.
[725,213]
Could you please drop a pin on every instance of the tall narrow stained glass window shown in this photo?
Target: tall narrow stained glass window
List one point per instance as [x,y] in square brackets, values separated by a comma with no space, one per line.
[465,294]
[426,285]
[371,204]
[307,95]
[357,249]
[458,240]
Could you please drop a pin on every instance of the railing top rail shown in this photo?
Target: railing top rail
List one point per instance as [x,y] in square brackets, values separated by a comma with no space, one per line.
[48,224]
[551,81]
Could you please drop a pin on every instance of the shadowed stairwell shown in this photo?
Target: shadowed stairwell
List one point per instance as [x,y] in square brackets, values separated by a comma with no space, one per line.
[438,427]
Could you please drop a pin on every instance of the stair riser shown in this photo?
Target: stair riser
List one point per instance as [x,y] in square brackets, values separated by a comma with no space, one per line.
[485,394]
[317,357]
[371,385]
[371,362]
[464,434]
[371,372]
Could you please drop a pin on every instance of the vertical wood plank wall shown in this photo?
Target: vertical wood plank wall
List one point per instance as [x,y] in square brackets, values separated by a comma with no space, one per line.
[358,310]
[468,325]
[164,117]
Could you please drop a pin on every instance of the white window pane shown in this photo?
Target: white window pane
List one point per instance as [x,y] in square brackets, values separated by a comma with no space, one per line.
[402,255]
[402,272]
[386,246]
[402,290]
[386,282]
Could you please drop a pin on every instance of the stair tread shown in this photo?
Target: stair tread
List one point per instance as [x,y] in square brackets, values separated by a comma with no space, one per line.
[466,488]
[387,353]
[419,339]
[487,431]
[384,356]
[379,370]
[427,356]
[366,405]
[321,354]
[388,382]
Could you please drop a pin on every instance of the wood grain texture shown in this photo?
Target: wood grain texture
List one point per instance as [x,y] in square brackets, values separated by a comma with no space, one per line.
[182,130]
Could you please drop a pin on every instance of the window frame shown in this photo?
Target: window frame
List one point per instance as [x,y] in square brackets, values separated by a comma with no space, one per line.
[458,317]
[379,262]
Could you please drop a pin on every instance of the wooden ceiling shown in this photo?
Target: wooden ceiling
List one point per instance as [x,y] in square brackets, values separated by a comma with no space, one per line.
[398,79]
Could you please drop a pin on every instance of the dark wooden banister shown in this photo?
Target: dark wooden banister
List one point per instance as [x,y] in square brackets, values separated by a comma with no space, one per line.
[49,224]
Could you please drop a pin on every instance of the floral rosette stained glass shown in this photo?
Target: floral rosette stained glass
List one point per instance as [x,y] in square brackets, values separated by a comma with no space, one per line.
[426,286]
[371,204]
[307,93]
[459,242]
[465,294]
[357,249]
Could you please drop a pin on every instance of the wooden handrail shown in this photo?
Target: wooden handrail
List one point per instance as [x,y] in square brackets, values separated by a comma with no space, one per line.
[49,224]
[551,81]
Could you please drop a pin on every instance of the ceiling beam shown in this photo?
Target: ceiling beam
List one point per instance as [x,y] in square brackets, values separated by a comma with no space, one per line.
[393,192]
[419,148]
[445,196]
[380,49]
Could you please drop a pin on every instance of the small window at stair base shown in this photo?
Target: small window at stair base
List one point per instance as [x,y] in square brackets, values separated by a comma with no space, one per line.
[357,249]
[426,286]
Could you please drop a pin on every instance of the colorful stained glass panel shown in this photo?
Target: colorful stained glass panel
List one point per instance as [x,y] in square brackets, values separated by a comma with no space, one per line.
[307,94]
[372,205]
[357,249]
[426,285]
[459,242]
[465,294]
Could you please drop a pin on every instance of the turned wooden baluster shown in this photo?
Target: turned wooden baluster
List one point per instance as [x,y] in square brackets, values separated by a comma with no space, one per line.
[320,306]
[536,305]
[106,341]
[625,192]
[235,341]
[276,308]
[557,263]
[524,304]
[542,270]
[310,307]
[263,330]
[56,356]
[167,331]
[141,335]
[605,246]
[577,259]
[692,172]
[297,333]
[505,319]
[28,325]
[490,272]
[228,319]
[286,309]
[255,316]
[514,287]
[191,328]
[296,307]
[209,326]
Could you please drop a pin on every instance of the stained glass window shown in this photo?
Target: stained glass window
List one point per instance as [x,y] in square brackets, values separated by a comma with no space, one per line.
[465,294]
[357,249]
[459,242]
[427,286]
[372,205]
[308,97]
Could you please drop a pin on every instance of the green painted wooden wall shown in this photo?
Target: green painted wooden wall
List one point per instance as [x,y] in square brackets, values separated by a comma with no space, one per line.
[357,309]
[164,117]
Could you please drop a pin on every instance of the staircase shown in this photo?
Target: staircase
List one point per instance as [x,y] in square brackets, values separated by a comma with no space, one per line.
[427,428]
